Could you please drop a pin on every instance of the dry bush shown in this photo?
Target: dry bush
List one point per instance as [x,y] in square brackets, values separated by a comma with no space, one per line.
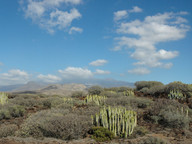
[25,100]
[7,130]
[118,89]
[57,123]
[70,126]
[154,140]
[170,118]
[134,102]
[165,113]
[110,94]
[78,94]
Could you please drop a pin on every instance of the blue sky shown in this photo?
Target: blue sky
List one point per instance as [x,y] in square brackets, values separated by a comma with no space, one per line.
[129,40]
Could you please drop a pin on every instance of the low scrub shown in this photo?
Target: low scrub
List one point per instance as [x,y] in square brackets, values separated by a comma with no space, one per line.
[7,130]
[11,111]
[101,134]
[170,113]
[56,123]
[153,140]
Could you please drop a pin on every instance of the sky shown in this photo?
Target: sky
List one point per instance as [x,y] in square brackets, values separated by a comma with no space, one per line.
[127,40]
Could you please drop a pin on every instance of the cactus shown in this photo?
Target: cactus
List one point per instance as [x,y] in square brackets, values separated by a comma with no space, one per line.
[68,101]
[3,98]
[99,100]
[128,93]
[183,111]
[176,94]
[118,120]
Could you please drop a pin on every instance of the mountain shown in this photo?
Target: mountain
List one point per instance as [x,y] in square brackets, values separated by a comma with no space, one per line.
[62,89]
[37,86]
[30,86]
[101,82]
[10,87]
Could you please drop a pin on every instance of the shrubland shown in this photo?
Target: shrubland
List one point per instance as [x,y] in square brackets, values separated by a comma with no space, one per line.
[102,114]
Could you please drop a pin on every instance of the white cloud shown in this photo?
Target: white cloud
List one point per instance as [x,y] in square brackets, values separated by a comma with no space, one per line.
[99,62]
[76,73]
[75,29]
[135,9]
[49,15]
[139,71]
[120,15]
[1,63]
[183,13]
[149,32]
[61,19]
[101,72]
[14,76]
[49,78]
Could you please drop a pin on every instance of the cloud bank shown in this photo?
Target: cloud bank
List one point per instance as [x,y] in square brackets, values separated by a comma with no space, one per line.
[99,62]
[49,14]
[142,37]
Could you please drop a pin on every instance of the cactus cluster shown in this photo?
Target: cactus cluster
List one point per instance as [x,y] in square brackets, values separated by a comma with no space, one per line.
[67,100]
[118,120]
[176,94]
[183,111]
[3,98]
[128,93]
[99,100]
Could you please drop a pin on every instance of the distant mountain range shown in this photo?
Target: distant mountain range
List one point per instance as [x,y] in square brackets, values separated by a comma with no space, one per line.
[39,86]
[30,86]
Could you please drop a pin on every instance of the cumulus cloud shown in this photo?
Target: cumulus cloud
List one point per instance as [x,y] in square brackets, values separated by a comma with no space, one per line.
[143,36]
[123,14]
[14,76]
[139,71]
[120,15]
[49,78]
[102,72]
[99,62]
[76,73]
[75,29]
[135,9]
[49,15]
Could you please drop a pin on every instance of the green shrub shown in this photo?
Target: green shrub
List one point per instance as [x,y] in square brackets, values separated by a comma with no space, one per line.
[101,134]
[16,111]
[46,103]
[9,111]
[7,130]
[147,84]
[141,131]
[183,88]
[78,94]
[95,90]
